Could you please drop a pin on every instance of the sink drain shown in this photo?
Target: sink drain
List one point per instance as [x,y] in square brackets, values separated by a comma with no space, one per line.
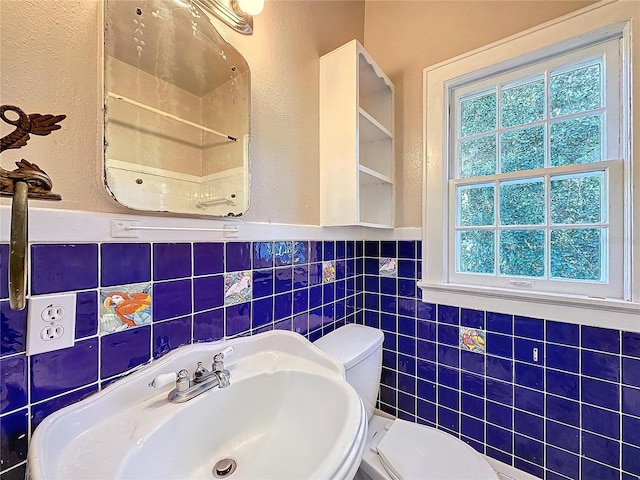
[224,468]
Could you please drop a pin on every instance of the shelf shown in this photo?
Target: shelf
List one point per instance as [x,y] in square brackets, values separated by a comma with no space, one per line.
[375,91]
[356,140]
[371,176]
[375,145]
[370,129]
[169,115]
[374,225]
[375,199]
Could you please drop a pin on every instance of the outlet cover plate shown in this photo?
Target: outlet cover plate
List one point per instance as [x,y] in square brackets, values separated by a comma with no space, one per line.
[37,340]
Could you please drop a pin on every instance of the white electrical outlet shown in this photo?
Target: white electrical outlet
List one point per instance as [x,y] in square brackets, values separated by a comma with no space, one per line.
[51,332]
[52,313]
[51,323]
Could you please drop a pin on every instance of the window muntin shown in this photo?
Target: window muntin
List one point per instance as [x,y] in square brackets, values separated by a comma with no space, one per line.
[530,176]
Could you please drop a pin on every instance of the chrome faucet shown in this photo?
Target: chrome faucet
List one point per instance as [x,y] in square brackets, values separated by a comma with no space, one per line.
[203,379]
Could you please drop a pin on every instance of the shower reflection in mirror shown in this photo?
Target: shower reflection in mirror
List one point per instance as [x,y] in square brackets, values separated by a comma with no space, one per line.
[177,110]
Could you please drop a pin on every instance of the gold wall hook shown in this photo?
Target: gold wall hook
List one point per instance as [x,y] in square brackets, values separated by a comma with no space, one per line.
[28,180]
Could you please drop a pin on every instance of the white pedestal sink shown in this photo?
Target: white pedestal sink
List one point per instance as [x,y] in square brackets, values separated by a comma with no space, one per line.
[288,414]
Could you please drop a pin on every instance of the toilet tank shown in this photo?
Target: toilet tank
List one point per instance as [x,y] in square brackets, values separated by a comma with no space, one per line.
[359,348]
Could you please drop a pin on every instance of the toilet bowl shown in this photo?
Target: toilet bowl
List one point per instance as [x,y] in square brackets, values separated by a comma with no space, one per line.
[397,449]
[401,450]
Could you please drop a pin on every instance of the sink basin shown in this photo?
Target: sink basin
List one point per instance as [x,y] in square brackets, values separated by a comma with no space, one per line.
[288,414]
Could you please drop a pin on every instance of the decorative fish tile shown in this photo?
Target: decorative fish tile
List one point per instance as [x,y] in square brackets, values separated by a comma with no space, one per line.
[328,271]
[473,339]
[237,287]
[125,306]
[388,267]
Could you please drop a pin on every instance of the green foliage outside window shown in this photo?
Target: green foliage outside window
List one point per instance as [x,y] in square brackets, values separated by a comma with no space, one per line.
[536,228]
[522,149]
[523,104]
[476,251]
[522,253]
[522,203]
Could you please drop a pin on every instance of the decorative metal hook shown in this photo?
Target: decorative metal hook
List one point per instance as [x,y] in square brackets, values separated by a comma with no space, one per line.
[28,180]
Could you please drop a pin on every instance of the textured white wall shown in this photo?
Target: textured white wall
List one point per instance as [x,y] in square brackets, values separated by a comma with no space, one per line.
[49,54]
[406,36]
[49,63]
[283,54]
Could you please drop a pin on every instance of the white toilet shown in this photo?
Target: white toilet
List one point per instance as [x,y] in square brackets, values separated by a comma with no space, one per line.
[397,449]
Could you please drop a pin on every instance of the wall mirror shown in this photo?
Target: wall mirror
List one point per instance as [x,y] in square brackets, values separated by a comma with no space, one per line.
[177,110]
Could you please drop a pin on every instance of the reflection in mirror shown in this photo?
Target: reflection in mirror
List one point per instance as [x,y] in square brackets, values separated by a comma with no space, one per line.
[176,110]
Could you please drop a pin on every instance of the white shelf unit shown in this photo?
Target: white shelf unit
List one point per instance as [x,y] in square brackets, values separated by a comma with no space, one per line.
[356,140]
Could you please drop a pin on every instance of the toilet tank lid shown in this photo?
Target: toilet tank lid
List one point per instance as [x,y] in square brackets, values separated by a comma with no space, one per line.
[351,343]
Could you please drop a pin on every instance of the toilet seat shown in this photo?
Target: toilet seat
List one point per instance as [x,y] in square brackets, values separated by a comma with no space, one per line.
[415,452]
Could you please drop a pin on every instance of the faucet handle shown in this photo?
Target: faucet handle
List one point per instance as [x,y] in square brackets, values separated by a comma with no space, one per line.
[163,379]
[218,364]
[183,383]
[224,353]
[200,371]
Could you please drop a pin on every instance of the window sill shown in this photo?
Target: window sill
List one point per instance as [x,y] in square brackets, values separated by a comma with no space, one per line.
[600,312]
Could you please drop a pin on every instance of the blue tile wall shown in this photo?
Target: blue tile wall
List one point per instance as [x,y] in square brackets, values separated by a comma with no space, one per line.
[188,281]
[574,413]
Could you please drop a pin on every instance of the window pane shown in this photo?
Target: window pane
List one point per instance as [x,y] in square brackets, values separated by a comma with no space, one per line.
[476,251]
[576,254]
[576,141]
[575,91]
[477,115]
[475,205]
[478,157]
[577,199]
[522,253]
[522,104]
[522,149]
[522,202]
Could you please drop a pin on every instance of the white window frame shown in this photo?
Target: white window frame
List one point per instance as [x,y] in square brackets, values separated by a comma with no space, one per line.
[582,28]
[612,288]
[611,166]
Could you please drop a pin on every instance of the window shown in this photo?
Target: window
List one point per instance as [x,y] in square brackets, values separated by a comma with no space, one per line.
[535,178]
[528,159]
